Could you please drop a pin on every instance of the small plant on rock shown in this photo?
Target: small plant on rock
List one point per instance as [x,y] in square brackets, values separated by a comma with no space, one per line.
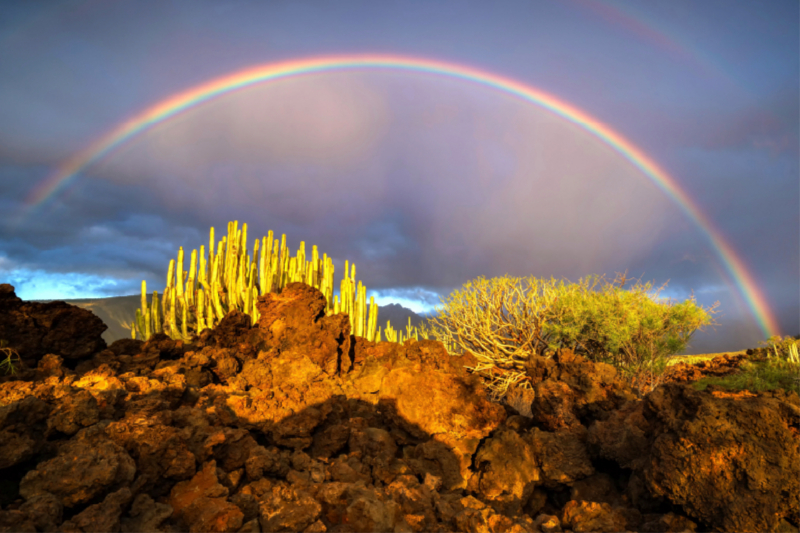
[8,365]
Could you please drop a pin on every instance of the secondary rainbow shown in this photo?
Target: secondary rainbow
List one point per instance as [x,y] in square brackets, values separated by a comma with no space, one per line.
[195,96]
[648,33]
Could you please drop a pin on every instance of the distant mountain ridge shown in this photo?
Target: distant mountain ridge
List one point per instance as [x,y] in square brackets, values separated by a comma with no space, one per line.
[119,312]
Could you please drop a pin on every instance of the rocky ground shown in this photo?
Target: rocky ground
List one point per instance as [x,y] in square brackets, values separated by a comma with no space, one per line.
[297,425]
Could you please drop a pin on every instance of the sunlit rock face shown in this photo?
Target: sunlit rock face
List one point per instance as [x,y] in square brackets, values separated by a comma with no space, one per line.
[296,425]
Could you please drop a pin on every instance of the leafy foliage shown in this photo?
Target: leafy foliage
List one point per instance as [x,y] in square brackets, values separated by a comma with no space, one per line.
[627,326]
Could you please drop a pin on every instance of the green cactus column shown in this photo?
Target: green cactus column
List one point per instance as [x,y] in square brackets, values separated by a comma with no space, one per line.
[227,278]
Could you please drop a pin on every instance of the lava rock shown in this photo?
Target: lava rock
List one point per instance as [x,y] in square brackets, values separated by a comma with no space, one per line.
[294,424]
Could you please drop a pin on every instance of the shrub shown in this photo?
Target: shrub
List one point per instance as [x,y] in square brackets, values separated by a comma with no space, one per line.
[503,325]
[500,324]
[484,322]
[626,326]
[8,365]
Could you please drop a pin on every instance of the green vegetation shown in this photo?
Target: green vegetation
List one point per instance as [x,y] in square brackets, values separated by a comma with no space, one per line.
[503,325]
[755,377]
[626,325]
[8,365]
[633,329]
[776,367]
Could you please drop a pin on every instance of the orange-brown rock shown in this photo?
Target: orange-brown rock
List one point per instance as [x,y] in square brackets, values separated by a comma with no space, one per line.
[294,424]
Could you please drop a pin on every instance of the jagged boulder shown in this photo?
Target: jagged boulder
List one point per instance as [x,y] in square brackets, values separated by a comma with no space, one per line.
[571,391]
[37,329]
[730,459]
[294,424]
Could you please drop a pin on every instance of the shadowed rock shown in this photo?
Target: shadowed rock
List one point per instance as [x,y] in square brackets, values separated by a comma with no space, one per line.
[727,459]
[294,424]
[37,329]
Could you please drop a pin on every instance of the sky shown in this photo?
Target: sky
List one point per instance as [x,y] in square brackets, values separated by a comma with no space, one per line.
[539,138]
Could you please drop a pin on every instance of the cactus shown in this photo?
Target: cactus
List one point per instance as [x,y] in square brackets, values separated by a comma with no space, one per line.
[230,279]
[794,357]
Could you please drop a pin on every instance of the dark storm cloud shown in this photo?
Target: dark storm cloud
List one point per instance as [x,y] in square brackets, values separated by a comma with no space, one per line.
[771,127]
[768,126]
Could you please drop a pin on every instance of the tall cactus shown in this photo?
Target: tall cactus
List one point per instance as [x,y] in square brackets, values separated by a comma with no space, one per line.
[228,279]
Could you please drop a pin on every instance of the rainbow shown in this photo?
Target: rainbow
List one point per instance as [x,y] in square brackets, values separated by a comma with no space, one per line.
[195,96]
[647,32]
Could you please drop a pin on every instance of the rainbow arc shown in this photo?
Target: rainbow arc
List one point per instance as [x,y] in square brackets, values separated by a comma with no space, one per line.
[186,100]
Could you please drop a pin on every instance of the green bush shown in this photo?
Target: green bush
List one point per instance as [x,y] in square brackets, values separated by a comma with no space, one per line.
[628,327]
[503,325]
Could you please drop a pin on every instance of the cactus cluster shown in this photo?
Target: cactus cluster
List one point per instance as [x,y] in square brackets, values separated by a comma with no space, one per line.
[229,279]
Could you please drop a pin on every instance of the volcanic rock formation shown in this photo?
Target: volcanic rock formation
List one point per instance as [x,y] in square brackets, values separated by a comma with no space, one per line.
[294,424]
[37,329]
